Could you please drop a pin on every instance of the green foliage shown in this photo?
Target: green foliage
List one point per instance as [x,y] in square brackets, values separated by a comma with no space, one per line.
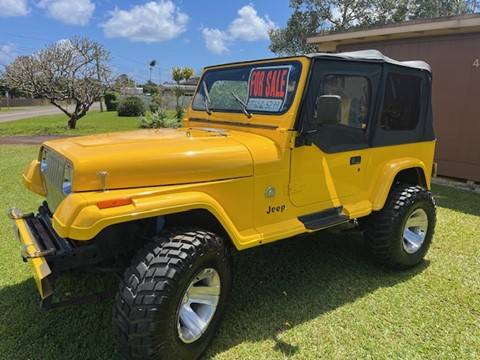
[151,66]
[221,94]
[150,88]
[179,112]
[123,81]
[187,73]
[131,106]
[317,16]
[291,39]
[179,74]
[111,101]
[157,120]
[156,102]
[3,85]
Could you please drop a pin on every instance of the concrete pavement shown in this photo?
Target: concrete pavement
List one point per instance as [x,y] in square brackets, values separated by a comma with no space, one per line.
[32,111]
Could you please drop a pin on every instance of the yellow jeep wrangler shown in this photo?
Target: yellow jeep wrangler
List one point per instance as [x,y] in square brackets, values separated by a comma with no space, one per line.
[268,150]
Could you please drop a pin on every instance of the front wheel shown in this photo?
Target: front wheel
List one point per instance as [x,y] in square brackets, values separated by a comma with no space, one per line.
[172,298]
[400,234]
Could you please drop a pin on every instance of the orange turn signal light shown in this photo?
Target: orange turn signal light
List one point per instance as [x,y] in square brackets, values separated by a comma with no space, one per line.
[105,204]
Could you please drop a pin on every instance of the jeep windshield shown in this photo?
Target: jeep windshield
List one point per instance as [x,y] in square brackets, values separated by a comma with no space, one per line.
[267,88]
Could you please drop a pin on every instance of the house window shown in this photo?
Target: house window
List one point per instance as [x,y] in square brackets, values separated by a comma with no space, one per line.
[401,104]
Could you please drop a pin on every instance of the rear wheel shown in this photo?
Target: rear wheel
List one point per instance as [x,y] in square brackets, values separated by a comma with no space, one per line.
[400,234]
[172,298]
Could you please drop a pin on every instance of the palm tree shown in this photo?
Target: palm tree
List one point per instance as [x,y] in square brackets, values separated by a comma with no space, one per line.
[151,65]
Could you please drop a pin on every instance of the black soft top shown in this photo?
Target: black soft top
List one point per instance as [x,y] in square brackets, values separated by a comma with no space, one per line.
[362,55]
[372,55]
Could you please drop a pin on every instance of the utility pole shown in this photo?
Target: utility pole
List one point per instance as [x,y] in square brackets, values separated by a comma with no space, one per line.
[99,79]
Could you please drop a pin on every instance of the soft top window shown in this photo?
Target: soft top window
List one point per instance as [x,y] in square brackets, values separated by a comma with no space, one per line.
[354,94]
[261,88]
[401,105]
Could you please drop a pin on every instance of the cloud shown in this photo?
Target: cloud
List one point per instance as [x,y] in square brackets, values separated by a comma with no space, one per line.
[247,26]
[13,8]
[77,12]
[216,40]
[7,53]
[154,21]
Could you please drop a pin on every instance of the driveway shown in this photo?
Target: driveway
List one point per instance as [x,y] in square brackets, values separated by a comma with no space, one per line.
[31,111]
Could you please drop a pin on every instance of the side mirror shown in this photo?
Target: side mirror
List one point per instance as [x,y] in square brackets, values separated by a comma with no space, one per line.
[329,109]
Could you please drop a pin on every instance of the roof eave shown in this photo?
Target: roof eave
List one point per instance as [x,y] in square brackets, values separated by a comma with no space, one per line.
[451,25]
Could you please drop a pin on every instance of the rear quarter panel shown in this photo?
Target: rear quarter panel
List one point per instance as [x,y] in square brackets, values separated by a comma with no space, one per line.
[386,162]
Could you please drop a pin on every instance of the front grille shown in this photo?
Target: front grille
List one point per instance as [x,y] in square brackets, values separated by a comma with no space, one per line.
[53,174]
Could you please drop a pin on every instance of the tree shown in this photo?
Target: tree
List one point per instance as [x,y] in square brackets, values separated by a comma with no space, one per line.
[187,73]
[317,16]
[123,81]
[151,66]
[71,70]
[178,75]
[150,88]
[3,85]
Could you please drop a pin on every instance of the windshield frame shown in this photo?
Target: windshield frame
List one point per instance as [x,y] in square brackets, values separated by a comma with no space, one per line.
[252,65]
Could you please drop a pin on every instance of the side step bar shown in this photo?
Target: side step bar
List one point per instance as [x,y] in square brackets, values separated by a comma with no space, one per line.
[324,219]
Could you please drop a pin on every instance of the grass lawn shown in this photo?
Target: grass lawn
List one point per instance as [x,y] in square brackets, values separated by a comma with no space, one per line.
[94,122]
[316,297]
[7,109]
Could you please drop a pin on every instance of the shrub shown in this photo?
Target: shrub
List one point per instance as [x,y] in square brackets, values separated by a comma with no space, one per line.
[156,102]
[156,120]
[131,106]
[111,101]
[179,113]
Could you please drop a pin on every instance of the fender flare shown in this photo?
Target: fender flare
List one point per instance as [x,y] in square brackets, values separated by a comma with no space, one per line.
[79,218]
[32,178]
[387,175]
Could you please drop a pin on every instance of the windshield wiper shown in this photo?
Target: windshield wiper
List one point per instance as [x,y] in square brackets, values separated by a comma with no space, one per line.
[242,104]
[206,99]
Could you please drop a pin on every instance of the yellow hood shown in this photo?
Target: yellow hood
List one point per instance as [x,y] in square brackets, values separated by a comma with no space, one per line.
[154,157]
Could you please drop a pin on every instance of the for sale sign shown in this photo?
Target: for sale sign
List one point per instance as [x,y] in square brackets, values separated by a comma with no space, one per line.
[267,88]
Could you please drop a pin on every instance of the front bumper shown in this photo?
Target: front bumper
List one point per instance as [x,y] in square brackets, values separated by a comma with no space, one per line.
[32,250]
[49,254]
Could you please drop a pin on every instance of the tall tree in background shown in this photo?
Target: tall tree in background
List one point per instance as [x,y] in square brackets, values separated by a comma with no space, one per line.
[314,16]
[150,88]
[178,75]
[70,70]
[123,81]
[151,66]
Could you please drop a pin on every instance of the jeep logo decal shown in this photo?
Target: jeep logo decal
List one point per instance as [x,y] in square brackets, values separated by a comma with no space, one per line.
[276,209]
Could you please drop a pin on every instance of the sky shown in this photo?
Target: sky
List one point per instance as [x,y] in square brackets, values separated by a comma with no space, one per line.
[193,33]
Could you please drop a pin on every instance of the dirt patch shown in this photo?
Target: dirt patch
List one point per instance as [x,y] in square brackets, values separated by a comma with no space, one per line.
[28,140]
[457,184]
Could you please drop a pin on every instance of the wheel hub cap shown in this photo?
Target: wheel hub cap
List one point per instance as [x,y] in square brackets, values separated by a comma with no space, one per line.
[415,231]
[198,305]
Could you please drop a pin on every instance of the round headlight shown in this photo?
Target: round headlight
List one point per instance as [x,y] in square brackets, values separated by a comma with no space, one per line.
[67,179]
[43,161]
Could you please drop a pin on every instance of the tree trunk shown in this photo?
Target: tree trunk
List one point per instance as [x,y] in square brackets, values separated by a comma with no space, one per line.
[72,122]
[80,111]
